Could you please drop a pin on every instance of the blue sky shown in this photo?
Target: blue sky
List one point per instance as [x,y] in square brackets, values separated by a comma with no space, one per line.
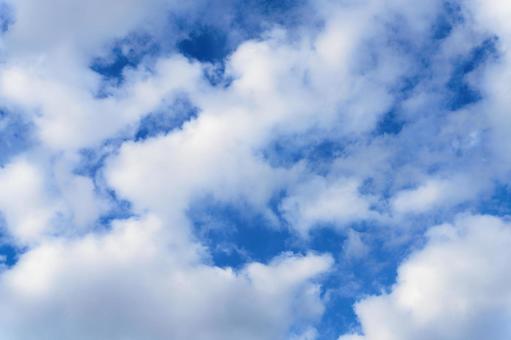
[296,170]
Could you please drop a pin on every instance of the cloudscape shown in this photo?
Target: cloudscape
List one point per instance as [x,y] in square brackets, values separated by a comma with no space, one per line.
[255,170]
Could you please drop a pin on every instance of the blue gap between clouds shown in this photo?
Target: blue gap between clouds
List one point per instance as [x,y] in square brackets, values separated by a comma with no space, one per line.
[451,16]
[354,279]
[498,203]
[379,272]
[206,40]
[317,148]
[391,123]
[6,17]
[15,135]
[461,92]
[166,119]
[238,233]
[210,45]
[252,17]
[125,53]
[213,41]
[206,44]
[9,252]
[92,161]
[91,164]
[120,210]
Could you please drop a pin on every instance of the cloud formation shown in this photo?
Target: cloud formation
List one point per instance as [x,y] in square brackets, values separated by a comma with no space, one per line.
[370,120]
[456,287]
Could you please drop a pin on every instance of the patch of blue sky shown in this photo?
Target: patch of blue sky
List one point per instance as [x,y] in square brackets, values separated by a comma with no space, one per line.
[317,148]
[498,203]
[421,54]
[6,17]
[254,16]
[205,44]
[216,75]
[15,135]
[373,273]
[208,39]
[119,209]
[458,91]
[92,160]
[390,124]
[210,45]
[167,118]
[212,41]
[236,234]
[450,16]
[9,252]
[272,7]
[461,92]
[124,54]
[354,279]
[9,255]
[91,164]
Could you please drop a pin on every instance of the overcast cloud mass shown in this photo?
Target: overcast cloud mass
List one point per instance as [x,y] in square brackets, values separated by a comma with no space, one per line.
[255,169]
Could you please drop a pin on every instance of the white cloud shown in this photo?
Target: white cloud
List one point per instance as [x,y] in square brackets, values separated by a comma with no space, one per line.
[335,79]
[355,247]
[67,114]
[457,287]
[35,204]
[275,90]
[319,201]
[131,283]
[67,24]
[24,200]
[435,194]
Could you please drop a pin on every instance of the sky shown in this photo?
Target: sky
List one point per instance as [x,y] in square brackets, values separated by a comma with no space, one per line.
[255,169]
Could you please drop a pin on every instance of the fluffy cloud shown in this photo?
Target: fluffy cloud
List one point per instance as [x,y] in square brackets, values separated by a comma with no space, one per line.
[131,282]
[434,194]
[24,200]
[34,206]
[276,83]
[319,201]
[66,114]
[67,24]
[456,287]
[378,80]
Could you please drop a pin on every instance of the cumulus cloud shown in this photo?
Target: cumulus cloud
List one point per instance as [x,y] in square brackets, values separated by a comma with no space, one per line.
[131,283]
[25,202]
[34,206]
[456,287]
[366,112]
[322,202]
[67,114]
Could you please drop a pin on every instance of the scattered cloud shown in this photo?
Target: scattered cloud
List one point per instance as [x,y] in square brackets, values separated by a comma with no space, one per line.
[349,130]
